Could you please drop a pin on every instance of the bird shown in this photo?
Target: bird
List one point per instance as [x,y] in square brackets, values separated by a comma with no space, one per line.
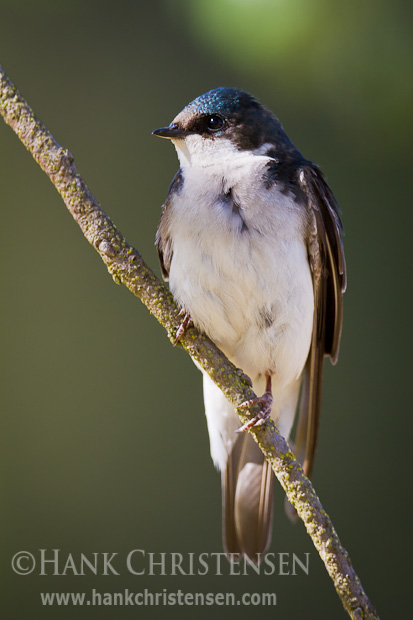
[250,239]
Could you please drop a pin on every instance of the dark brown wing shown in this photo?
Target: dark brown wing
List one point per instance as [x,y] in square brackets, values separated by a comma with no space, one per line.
[163,240]
[328,268]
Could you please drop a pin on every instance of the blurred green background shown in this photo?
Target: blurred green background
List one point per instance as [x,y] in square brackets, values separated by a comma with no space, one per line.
[104,445]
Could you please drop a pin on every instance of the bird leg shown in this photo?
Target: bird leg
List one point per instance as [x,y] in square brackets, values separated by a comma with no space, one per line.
[265,400]
[183,326]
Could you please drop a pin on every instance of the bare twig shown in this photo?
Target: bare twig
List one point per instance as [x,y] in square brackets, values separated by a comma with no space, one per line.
[127,267]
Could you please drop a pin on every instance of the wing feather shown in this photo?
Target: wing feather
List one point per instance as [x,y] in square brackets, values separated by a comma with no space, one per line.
[328,268]
[163,239]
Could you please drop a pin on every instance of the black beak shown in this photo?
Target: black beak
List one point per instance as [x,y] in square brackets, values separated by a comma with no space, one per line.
[171,132]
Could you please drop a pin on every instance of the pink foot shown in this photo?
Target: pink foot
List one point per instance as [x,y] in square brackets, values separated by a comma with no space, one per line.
[183,326]
[266,401]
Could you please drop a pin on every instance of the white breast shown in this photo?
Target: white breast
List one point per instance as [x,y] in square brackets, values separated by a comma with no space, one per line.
[243,276]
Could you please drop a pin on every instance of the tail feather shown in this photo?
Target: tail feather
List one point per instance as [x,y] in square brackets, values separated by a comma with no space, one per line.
[247,494]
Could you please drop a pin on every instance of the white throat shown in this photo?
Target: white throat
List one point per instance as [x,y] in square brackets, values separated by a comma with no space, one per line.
[198,152]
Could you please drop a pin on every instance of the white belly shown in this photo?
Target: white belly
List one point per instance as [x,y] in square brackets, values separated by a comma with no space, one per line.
[250,292]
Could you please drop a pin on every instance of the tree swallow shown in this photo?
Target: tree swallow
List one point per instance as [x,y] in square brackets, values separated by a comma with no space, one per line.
[250,239]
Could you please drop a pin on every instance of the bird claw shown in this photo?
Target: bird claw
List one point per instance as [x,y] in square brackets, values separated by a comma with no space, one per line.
[262,416]
[183,326]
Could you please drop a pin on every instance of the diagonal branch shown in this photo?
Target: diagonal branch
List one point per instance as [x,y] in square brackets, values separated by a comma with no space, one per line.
[127,267]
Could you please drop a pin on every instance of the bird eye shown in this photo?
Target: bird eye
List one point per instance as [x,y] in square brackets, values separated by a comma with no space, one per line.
[215,122]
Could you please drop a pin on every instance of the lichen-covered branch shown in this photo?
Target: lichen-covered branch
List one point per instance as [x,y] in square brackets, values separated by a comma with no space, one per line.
[127,267]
